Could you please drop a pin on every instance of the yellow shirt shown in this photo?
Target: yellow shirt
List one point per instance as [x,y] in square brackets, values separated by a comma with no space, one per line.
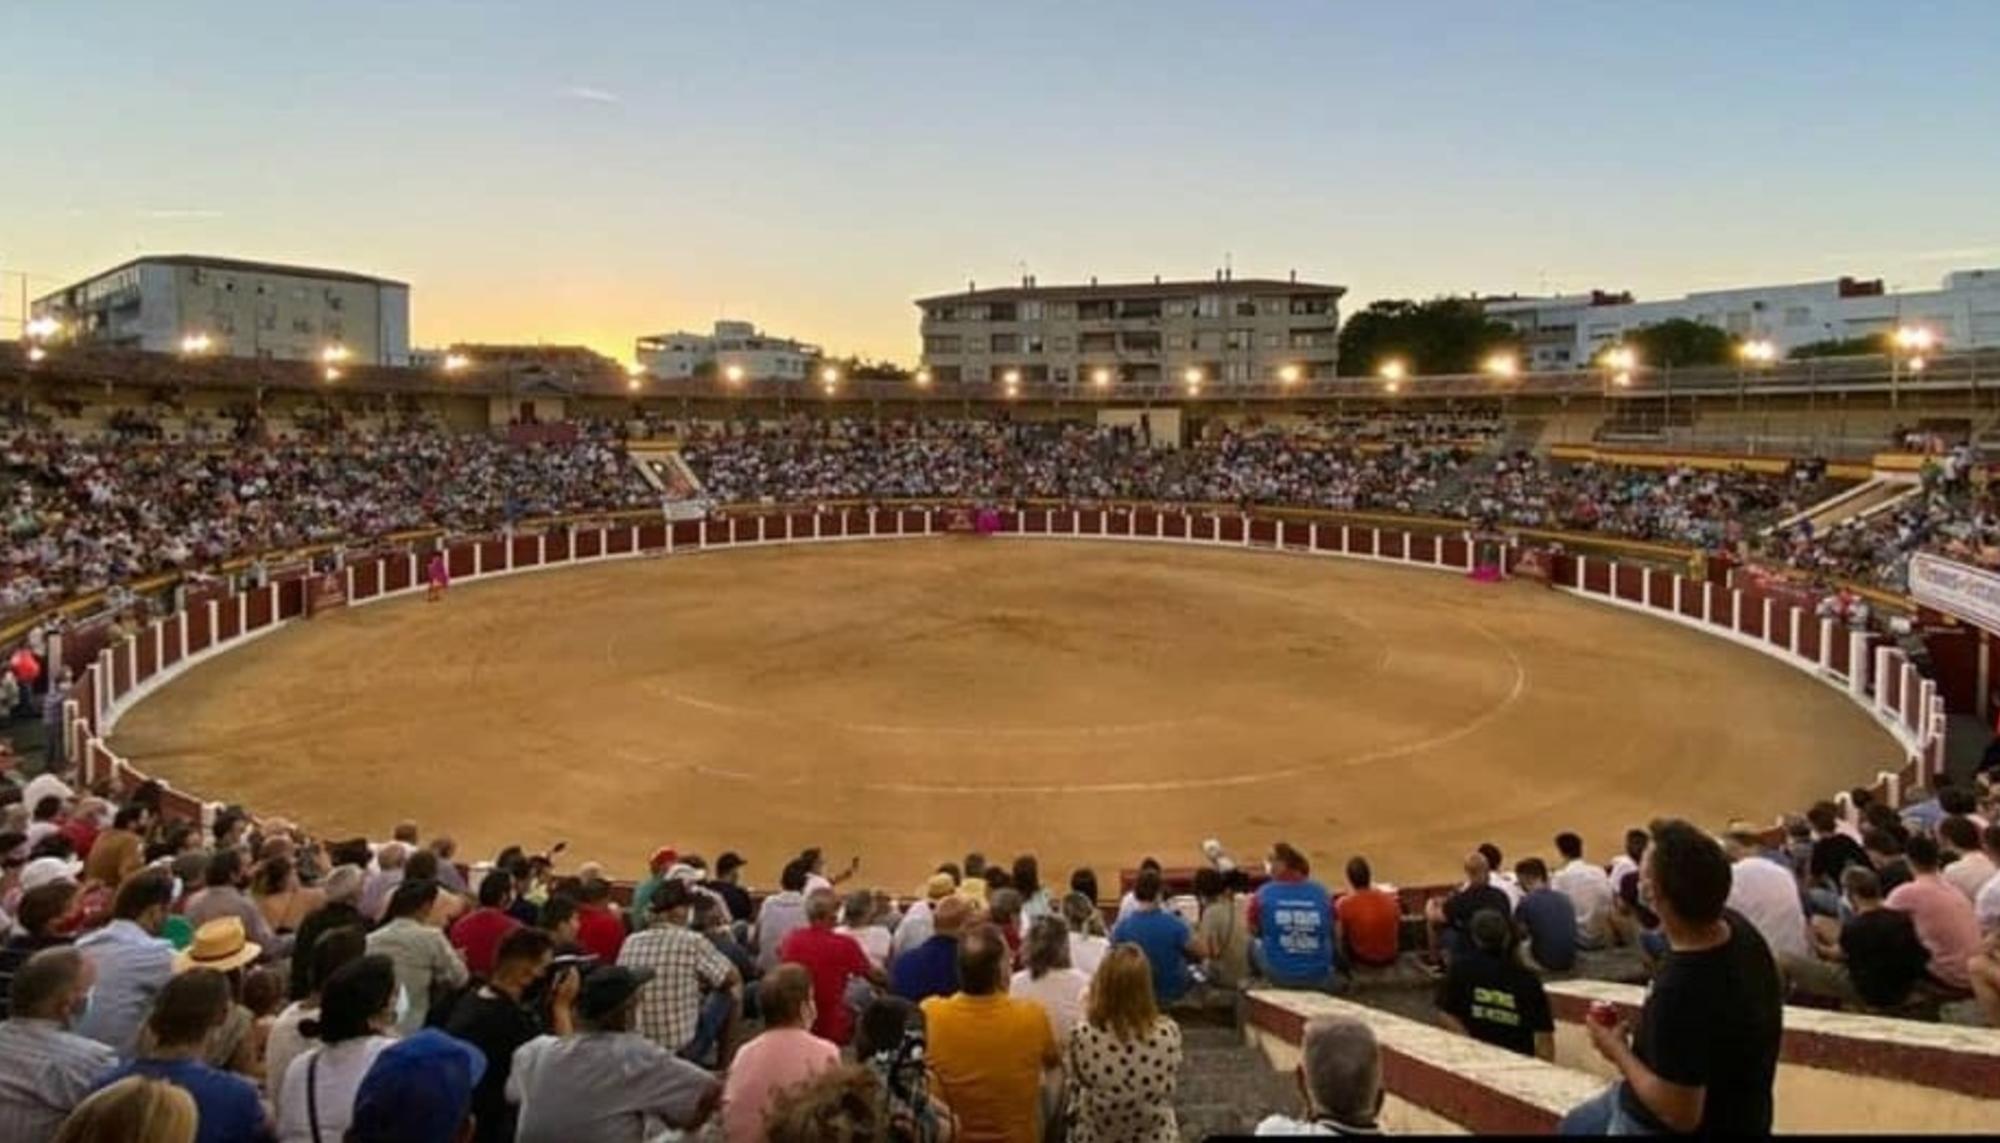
[988,1052]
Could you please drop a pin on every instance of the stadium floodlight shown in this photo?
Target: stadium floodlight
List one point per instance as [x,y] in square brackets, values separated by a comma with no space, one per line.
[332,374]
[1289,375]
[1101,377]
[632,383]
[733,373]
[830,376]
[1916,365]
[1011,377]
[1914,338]
[43,328]
[1392,371]
[37,353]
[1621,359]
[923,378]
[1502,365]
[1758,352]
[456,363]
[1392,385]
[1192,377]
[1622,379]
[196,343]
[333,353]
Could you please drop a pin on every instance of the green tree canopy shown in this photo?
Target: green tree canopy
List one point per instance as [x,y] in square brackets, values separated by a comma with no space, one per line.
[1442,335]
[1841,347]
[1677,343]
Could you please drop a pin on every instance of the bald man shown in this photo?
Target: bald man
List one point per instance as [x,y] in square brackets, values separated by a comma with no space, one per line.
[1451,918]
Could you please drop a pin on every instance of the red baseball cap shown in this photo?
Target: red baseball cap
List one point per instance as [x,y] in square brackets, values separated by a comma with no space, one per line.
[663,857]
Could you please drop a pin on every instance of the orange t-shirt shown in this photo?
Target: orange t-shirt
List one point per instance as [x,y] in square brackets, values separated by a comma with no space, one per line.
[988,1053]
[1371,923]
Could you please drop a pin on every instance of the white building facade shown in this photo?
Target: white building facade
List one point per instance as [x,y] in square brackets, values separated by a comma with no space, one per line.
[1568,332]
[733,346]
[239,308]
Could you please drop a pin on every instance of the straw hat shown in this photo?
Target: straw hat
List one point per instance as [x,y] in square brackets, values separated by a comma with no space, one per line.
[220,944]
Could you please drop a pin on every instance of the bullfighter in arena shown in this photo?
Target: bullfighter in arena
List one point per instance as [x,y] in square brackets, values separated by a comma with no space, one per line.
[439,576]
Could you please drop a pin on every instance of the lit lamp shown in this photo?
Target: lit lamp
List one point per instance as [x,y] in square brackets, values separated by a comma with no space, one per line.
[1101,377]
[733,374]
[1759,352]
[195,344]
[456,363]
[923,378]
[1289,375]
[1909,344]
[1392,373]
[1503,365]
[1193,379]
[1621,360]
[37,353]
[43,328]
[332,354]
[332,374]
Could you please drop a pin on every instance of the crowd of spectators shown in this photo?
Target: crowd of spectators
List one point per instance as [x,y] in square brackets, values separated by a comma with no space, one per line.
[81,515]
[245,981]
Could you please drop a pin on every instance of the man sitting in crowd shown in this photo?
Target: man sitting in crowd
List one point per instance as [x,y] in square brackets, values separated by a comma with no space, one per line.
[1545,919]
[1170,946]
[1292,917]
[989,1049]
[1487,995]
[1705,1053]
[1370,919]
[833,959]
[1340,1081]
[1588,888]
[687,1005]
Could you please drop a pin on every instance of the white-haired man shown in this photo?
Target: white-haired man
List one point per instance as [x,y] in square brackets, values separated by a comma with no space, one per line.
[1340,1078]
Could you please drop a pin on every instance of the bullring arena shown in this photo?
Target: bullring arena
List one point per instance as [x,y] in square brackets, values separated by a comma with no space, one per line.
[1087,701]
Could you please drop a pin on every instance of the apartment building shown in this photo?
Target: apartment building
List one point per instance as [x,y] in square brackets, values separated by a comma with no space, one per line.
[735,349]
[1567,332]
[231,307]
[1220,332]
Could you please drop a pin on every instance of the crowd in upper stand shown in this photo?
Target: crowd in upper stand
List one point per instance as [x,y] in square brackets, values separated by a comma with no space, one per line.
[245,981]
[83,514]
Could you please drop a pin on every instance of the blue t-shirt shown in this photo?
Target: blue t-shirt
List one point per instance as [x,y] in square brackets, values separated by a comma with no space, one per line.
[1164,938]
[1550,918]
[930,969]
[1295,928]
[226,1105]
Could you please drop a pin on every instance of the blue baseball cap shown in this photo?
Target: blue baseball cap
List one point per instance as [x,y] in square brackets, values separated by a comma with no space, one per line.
[419,1090]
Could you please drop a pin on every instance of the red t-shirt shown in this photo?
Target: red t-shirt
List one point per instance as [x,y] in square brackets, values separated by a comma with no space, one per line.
[831,958]
[600,932]
[478,935]
[1371,920]
[81,834]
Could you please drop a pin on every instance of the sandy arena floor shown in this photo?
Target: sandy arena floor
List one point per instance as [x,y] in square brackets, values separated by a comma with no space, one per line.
[1090,703]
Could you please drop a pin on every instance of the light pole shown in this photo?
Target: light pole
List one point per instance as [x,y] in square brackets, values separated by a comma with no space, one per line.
[1911,341]
[1392,373]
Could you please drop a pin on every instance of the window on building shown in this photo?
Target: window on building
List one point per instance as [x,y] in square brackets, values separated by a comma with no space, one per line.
[1006,343]
[1208,305]
[1176,341]
[1001,311]
[1240,339]
[1236,371]
[1274,340]
[1272,305]
[1177,308]
[1031,311]
[1246,308]
[1064,344]
[1031,344]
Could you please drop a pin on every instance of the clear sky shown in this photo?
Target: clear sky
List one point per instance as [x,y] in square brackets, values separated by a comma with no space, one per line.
[592,171]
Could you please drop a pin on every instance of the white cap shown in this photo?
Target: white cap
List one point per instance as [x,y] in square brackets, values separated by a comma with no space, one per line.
[43,786]
[43,870]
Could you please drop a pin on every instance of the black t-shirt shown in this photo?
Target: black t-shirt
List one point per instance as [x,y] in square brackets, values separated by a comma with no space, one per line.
[1462,906]
[1884,956]
[1712,1020]
[1834,853]
[496,1026]
[736,897]
[1498,1001]
[1892,872]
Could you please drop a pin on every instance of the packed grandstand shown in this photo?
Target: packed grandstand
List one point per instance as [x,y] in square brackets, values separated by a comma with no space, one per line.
[87,513]
[268,971]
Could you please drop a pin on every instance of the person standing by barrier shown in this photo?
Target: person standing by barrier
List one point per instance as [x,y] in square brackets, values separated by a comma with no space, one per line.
[439,576]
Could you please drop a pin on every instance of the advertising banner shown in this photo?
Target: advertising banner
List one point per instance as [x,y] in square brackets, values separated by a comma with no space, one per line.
[1961,590]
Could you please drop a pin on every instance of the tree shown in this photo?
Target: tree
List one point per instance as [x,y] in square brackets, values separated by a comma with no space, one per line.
[1442,335]
[1841,347]
[860,368]
[1678,343]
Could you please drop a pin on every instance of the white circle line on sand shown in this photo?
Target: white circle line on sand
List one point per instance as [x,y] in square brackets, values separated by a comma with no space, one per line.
[1515,691]
[763,715]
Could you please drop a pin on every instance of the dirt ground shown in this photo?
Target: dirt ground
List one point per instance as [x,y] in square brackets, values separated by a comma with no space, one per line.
[1087,702]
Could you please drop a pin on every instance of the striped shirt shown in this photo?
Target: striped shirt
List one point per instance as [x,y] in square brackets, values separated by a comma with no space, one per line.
[44,1072]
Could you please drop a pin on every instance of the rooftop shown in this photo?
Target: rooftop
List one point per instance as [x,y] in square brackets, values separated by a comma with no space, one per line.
[1155,289]
[207,262]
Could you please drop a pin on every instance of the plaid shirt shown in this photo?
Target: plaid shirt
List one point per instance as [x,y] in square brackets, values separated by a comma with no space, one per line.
[685,964]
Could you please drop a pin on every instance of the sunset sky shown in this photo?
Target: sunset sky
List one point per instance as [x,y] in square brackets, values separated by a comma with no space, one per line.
[594,171]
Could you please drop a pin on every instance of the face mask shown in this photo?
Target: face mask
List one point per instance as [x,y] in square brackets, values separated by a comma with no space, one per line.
[402,1004]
